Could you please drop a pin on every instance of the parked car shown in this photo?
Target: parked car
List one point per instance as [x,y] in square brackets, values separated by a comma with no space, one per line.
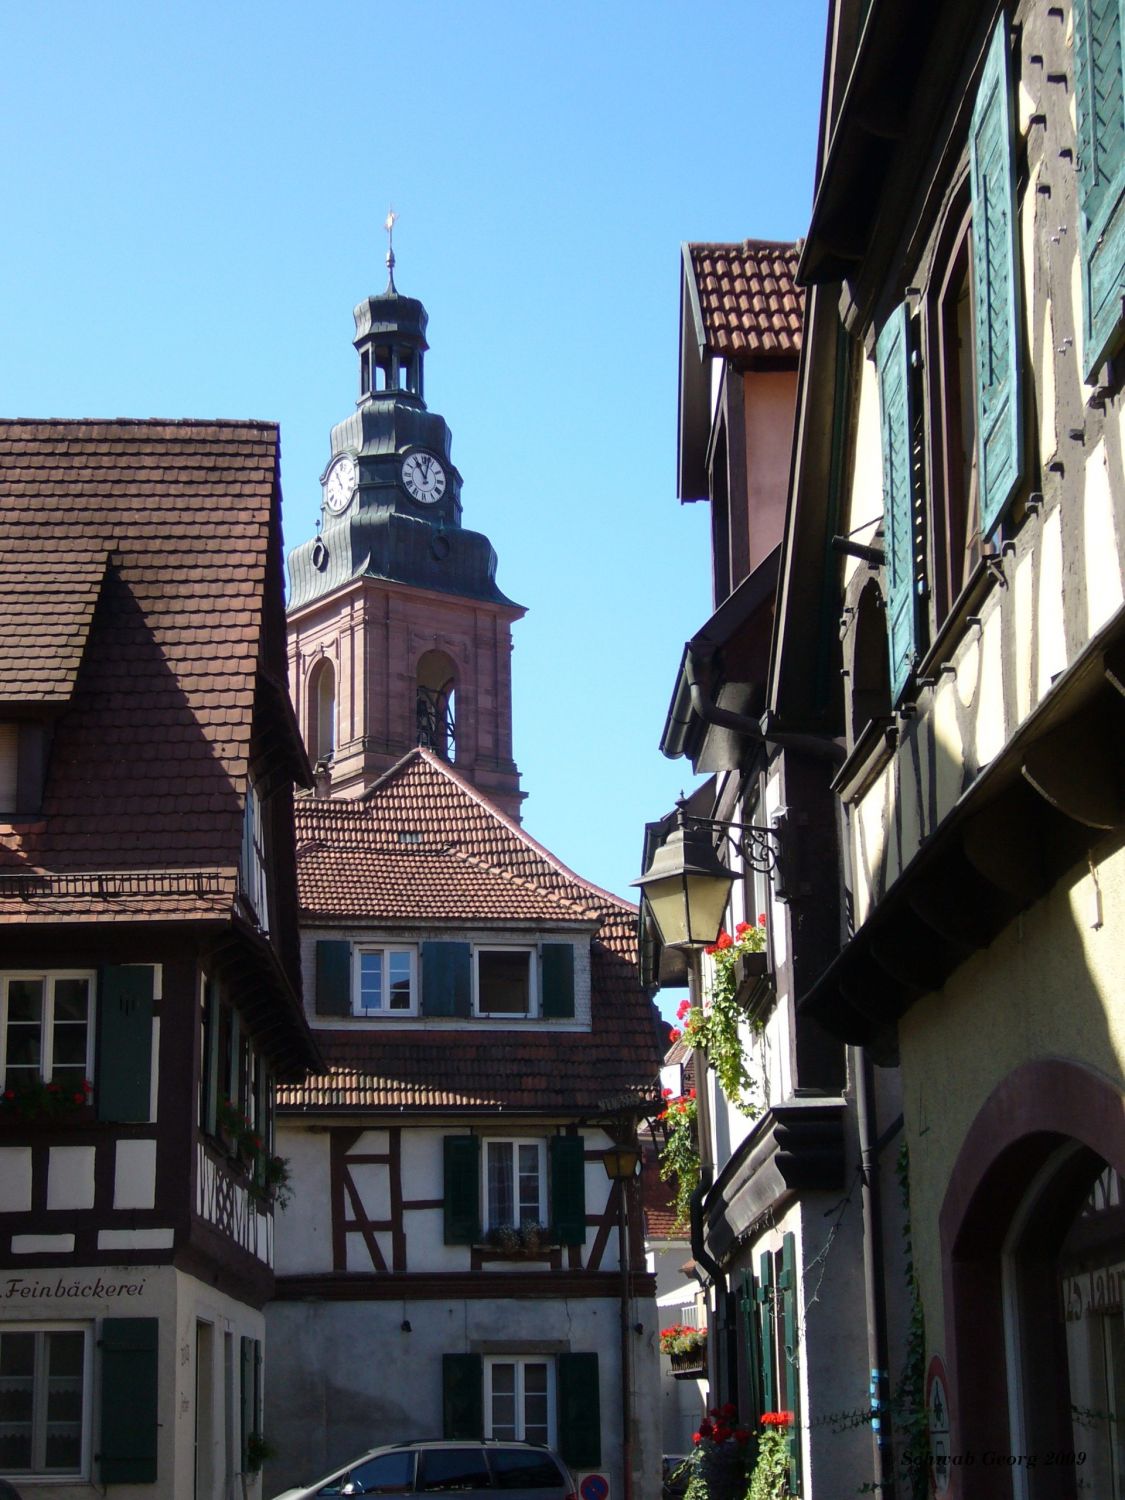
[524,1471]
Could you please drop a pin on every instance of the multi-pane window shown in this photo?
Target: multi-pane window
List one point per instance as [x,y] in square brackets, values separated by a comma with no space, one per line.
[515,1184]
[254,863]
[520,1399]
[385,981]
[46,1033]
[43,1385]
[505,982]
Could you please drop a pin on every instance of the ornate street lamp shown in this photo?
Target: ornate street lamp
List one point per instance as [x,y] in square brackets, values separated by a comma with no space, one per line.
[687,887]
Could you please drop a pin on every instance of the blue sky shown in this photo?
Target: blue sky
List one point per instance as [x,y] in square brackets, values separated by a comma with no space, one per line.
[194,197]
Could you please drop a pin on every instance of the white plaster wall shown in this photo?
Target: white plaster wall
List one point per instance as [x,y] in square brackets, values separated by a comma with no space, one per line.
[303,1231]
[70,1177]
[329,1397]
[134,1179]
[532,935]
[865,504]
[15,1179]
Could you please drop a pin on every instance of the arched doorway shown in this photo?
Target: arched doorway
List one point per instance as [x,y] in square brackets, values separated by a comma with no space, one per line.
[1033,1256]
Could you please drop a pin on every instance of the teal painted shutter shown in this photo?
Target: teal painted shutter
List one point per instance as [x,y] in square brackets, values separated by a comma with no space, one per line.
[996,282]
[580,1419]
[462,1189]
[124,1073]
[447,987]
[462,1396]
[568,1188]
[333,977]
[246,1392]
[892,356]
[787,1285]
[128,1401]
[751,1346]
[558,979]
[1099,91]
[765,1304]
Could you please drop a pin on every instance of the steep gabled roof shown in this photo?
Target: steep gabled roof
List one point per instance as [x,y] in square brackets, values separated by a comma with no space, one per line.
[503,876]
[134,558]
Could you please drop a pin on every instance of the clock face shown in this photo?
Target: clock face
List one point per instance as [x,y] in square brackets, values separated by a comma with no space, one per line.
[423,478]
[340,485]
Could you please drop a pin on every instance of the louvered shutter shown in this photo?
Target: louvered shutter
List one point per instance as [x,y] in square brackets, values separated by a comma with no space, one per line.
[1099,91]
[461,1195]
[568,1188]
[892,357]
[766,1325]
[211,1054]
[123,1077]
[333,977]
[580,1421]
[787,1286]
[558,979]
[996,281]
[462,1396]
[752,1345]
[127,1442]
[447,979]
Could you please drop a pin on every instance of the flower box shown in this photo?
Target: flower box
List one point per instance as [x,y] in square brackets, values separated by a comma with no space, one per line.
[690,1366]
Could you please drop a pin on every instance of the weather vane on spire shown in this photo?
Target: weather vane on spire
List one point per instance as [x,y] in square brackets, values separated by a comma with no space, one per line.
[389,226]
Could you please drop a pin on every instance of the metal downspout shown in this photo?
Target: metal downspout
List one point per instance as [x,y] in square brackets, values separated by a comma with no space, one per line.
[751,729]
[873,1275]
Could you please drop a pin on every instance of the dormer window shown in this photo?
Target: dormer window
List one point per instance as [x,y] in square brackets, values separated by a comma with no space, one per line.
[386,981]
[22,750]
[504,982]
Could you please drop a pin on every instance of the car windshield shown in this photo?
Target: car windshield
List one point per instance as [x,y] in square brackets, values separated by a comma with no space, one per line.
[524,1469]
[388,1473]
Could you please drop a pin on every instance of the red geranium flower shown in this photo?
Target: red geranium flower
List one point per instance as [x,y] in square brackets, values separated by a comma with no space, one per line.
[696,1437]
[674,1034]
[666,1093]
[682,1010]
[725,940]
[743,927]
[705,1427]
[761,919]
[691,1093]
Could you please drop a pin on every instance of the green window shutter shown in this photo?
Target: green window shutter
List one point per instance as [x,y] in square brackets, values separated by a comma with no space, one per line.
[766,1324]
[447,985]
[787,1285]
[1099,92]
[124,1073]
[996,282]
[752,1345]
[333,977]
[462,1396]
[128,1400]
[462,1189]
[246,1393]
[892,357]
[568,1188]
[580,1420]
[558,979]
[211,1055]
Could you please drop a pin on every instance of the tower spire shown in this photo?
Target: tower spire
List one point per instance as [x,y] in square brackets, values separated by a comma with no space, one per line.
[389,226]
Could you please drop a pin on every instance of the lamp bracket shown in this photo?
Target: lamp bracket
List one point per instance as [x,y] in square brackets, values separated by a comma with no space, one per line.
[759,847]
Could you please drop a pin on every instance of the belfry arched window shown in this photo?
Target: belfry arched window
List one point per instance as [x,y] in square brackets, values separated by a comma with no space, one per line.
[436,721]
[321,701]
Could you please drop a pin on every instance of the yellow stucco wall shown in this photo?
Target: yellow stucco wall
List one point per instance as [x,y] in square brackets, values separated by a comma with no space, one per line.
[1051,985]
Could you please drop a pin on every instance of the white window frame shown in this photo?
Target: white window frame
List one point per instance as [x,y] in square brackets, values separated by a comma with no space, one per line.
[521,1361]
[383,1010]
[255,883]
[532,951]
[47,1022]
[515,1142]
[38,1417]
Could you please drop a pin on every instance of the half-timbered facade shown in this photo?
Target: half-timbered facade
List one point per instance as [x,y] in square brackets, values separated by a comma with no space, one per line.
[453,1262]
[961,421]
[149,982]
[780,1259]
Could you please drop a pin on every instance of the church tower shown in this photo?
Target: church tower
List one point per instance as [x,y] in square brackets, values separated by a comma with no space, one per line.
[398,634]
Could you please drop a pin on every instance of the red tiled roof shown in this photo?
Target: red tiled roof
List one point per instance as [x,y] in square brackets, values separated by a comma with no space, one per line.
[748,297]
[658,1198]
[144,549]
[459,832]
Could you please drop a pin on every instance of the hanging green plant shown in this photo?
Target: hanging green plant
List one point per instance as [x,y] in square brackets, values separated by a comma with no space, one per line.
[714,1024]
[679,1159]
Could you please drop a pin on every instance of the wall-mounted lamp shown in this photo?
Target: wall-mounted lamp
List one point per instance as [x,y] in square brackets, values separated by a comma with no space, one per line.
[621,1163]
[687,886]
